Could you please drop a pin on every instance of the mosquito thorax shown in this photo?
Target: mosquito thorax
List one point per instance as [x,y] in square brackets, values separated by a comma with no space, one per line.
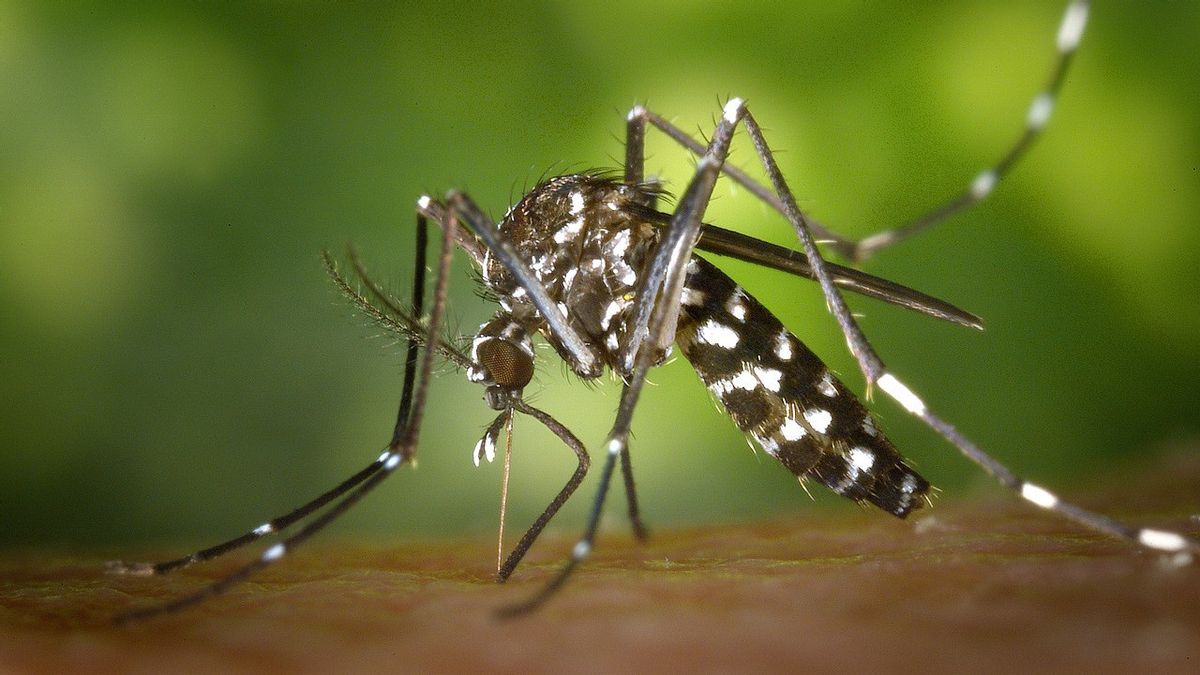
[585,239]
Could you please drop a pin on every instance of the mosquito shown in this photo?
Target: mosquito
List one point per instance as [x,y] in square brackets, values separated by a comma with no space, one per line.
[590,264]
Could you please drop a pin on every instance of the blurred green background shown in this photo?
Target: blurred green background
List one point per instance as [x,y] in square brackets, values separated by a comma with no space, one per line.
[176,367]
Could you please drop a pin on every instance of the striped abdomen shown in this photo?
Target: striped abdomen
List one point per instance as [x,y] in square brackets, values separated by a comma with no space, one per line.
[784,397]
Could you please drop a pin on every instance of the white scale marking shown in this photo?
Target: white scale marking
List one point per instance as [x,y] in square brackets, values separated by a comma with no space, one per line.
[612,310]
[745,379]
[485,449]
[819,419]
[1038,495]
[423,202]
[791,430]
[768,444]
[868,426]
[713,333]
[691,297]
[576,203]
[732,109]
[783,346]
[620,244]
[489,448]
[1039,110]
[479,340]
[581,550]
[983,184]
[569,231]
[825,386]
[861,461]
[1161,540]
[1071,29]
[721,387]
[476,373]
[768,377]
[736,304]
[274,553]
[391,462]
[903,395]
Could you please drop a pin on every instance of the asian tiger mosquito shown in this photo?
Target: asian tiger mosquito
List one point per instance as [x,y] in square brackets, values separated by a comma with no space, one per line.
[590,263]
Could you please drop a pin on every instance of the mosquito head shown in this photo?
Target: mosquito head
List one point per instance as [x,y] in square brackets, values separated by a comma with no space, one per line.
[501,359]
[506,369]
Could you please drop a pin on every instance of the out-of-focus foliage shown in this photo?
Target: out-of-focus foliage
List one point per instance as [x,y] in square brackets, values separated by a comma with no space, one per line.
[175,365]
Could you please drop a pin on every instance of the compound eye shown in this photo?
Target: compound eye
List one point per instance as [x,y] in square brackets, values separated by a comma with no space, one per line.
[509,365]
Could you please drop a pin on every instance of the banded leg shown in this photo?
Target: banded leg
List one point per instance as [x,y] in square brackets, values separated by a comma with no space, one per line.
[279,523]
[656,311]
[272,526]
[1068,37]
[398,320]
[1070,32]
[497,245]
[1160,540]
[875,372]
[399,451]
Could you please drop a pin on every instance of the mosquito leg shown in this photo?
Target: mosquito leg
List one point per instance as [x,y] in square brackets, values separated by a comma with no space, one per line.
[270,555]
[635,145]
[657,304]
[868,361]
[531,535]
[1070,32]
[657,311]
[272,526]
[400,450]
[586,357]
[1159,540]
[639,116]
[418,304]
[279,523]
[876,373]
[635,516]
[582,549]
[635,161]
